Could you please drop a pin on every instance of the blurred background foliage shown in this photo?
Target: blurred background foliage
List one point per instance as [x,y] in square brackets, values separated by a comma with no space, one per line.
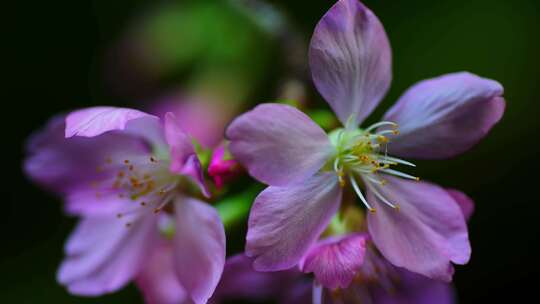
[63,55]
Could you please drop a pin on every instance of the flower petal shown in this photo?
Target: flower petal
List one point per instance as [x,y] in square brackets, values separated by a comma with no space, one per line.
[415,289]
[103,254]
[426,233]
[278,144]
[158,280]
[351,60]
[91,202]
[95,121]
[184,160]
[241,281]
[336,261]
[445,116]
[203,119]
[464,202]
[63,165]
[285,221]
[199,248]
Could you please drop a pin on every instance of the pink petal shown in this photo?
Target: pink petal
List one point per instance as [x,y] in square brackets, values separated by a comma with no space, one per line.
[241,281]
[158,281]
[203,119]
[95,121]
[199,248]
[445,116]
[184,160]
[103,255]
[350,60]
[62,164]
[91,202]
[336,261]
[415,289]
[278,144]
[426,233]
[464,202]
[285,221]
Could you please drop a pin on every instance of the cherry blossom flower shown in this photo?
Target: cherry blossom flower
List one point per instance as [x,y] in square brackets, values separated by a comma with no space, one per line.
[416,225]
[135,181]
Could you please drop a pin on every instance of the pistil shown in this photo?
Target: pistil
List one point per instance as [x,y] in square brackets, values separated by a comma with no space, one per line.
[363,154]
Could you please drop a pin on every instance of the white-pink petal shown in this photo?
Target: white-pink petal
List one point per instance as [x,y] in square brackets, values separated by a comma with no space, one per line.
[278,144]
[445,116]
[199,248]
[350,60]
[103,255]
[425,234]
[285,221]
[95,121]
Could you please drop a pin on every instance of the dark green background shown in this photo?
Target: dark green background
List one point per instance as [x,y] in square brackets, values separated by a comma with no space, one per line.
[54,61]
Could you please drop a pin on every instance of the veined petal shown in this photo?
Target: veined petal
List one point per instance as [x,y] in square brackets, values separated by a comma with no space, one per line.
[351,60]
[63,165]
[285,221]
[464,202]
[103,254]
[184,160]
[278,144]
[445,116]
[199,248]
[336,261]
[158,281]
[426,233]
[95,121]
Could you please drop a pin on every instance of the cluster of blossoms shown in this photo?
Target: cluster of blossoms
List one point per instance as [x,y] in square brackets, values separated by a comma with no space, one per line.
[139,187]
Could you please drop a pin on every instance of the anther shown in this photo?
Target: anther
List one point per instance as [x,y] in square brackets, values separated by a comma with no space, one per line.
[128,224]
[382,139]
[341,180]
[143,204]
[119,215]
[364,159]
[126,161]
[152,159]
